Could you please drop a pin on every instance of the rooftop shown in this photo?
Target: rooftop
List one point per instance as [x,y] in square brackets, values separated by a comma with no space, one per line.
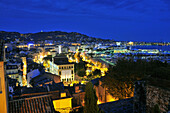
[120,106]
[60,60]
[40,104]
[44,78]
[35,91]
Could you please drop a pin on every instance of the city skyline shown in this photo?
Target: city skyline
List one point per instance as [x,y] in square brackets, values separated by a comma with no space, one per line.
[125,20]
[85,56]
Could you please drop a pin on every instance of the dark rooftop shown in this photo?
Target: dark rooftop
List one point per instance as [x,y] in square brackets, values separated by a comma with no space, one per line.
[60,60]
[120,106]
[39,104]
[39,90]
[44,78]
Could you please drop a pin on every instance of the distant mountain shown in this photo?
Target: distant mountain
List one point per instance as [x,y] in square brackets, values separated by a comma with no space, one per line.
[53,35]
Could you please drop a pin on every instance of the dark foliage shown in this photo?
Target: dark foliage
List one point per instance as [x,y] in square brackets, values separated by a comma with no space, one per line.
[80,68]
[120,78]
[96,72]
[90,99]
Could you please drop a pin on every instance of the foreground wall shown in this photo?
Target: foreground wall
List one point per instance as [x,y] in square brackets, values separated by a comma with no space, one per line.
[159,96]
[148,95]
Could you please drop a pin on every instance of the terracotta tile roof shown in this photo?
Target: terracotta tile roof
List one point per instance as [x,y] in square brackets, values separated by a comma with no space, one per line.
[38,104]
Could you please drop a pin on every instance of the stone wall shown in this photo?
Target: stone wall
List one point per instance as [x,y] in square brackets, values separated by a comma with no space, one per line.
[148,95]
[139,105]
[159,96]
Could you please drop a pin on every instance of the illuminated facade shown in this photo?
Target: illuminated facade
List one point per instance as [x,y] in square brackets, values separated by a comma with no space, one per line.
[59,48]
[3,81]
[24,79]
[102,94]
[12,71]
[63,105]
[64,70]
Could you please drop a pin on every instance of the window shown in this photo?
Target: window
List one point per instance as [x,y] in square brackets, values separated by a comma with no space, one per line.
[68,79]
[59,72]
[71,71]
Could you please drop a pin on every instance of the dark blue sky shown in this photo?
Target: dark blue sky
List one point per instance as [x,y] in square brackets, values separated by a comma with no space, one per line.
[125,20]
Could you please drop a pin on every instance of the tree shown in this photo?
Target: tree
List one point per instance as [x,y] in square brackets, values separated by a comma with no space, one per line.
[97,72]
[80,68]
[81,72]
[90,99]
[120,78]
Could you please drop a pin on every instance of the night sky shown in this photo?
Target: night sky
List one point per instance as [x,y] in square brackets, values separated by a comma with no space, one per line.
[123,20]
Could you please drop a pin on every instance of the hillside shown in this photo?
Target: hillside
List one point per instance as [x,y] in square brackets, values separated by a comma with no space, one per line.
[53,35]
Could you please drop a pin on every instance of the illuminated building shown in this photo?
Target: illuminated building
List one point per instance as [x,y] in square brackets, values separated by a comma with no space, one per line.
[130,43]
[101,92]
[46,99]
[63,104]
[29,46]
[59,47]
[24,60]
[3,81]
[60,66]
[12,71]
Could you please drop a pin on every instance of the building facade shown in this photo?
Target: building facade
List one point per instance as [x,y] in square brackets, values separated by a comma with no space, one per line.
[60,66]
[12,71]
[3,81]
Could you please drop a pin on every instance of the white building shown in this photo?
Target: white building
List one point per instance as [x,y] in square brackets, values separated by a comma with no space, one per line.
[60,66]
